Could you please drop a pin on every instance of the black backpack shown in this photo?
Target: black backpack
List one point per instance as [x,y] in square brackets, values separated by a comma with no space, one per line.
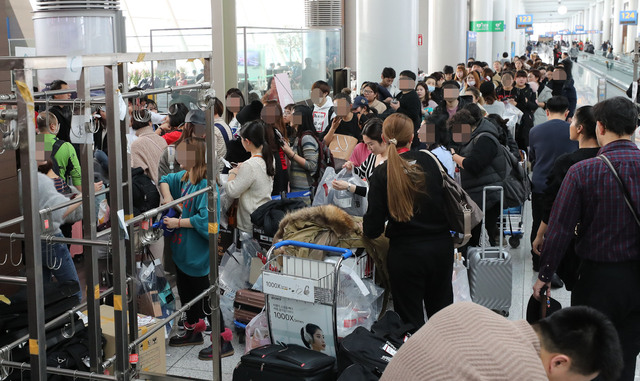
[56,168]
[325,159]
[144,192]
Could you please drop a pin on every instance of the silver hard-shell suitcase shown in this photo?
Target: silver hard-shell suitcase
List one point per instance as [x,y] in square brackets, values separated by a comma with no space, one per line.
[490,268]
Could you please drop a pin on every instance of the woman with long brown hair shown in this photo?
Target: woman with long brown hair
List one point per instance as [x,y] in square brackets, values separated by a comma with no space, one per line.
[406,193]
[190,243]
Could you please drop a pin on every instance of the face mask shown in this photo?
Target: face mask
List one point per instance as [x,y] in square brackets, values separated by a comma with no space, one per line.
[431,88]
[471,83]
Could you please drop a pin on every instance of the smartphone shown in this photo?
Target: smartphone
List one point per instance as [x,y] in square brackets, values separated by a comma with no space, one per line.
[279,137]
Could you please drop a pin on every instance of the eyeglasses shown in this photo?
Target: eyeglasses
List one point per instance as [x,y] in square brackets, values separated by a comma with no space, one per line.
[367,92]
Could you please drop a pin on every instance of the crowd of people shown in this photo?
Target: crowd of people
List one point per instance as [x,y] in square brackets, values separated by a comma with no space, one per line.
[582,232]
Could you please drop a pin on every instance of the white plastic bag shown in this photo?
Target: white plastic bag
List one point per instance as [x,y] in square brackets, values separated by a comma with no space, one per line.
[359,300]
[513,114]
[257,332]
[460,280]
[351,203]
[322,193]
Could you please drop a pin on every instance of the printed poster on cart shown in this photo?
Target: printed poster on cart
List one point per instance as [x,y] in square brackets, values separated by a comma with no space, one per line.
[302,323]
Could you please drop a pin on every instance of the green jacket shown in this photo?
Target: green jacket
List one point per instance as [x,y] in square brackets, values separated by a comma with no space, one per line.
[65,154]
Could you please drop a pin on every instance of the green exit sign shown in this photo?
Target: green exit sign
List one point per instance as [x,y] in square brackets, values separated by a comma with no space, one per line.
[486,26]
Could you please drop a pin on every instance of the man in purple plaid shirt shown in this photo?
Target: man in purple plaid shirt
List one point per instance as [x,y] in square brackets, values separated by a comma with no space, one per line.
[591,207]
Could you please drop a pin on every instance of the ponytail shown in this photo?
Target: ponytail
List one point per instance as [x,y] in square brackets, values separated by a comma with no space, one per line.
[267,155]
[404,180]
[254,131]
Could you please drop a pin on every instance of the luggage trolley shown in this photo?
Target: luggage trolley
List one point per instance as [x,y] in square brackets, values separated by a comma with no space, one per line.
[301,297]
[513,218]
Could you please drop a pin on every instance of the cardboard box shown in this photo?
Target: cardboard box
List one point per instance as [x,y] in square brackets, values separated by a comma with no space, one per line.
[152,352]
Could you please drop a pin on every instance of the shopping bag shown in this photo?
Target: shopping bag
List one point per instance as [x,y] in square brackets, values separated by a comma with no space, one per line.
[460,280]
[342,146]
[257,332]
[513,116]
[155,297]
[351,203]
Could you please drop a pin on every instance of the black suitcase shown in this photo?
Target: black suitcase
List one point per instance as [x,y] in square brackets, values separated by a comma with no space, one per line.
[374,349]
[277,362]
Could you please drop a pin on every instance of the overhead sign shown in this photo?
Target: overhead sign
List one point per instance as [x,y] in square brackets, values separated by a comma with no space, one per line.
[523,21]
[579,28]
[529,31]
[629,18]
[486,26]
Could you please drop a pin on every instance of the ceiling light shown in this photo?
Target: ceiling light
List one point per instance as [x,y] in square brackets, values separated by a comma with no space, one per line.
[562,9]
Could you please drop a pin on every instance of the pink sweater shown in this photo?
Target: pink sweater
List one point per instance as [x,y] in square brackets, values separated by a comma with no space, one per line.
[467,342]
[146,152]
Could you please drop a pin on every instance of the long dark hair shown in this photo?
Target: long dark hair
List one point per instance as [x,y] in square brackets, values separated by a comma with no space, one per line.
[307,120]
[228,115]
[177,113]
[254,132]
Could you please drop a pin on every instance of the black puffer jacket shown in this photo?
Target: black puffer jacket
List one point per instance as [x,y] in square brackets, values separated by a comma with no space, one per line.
[484,163]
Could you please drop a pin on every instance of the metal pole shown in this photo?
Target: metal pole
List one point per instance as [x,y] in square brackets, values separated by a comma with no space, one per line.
[72,241]
[127,200]
[17,220]
[89,233]
[117,234]
[75,374]
[35,292]
[246,76]
[160,324]
[153,212]
[55,321]
[212,175]
[13,279]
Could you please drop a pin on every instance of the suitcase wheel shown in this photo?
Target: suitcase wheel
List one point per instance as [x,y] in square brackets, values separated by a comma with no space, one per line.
[514,241]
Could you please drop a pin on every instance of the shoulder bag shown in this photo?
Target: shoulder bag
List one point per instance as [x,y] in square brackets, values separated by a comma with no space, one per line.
[462,212]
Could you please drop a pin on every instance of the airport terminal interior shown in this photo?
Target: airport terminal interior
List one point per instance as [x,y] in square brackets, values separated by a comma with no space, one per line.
[233,148]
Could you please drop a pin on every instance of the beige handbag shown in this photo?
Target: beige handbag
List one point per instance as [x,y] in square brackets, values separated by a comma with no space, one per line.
[342,146]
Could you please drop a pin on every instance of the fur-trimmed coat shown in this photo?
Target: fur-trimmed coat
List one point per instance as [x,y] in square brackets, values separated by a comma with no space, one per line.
[331,226]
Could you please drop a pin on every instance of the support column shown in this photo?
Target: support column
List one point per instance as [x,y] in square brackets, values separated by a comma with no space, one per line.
[447,33]
[350,32]
[632,30]
[616,39]
[423,29]
[510,20]
[499,38]
[225,52]
[482,10]
[598,18]
[606,21]
[397,43]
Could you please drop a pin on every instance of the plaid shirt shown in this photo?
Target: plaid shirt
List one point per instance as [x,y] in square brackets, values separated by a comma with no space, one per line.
[591,196]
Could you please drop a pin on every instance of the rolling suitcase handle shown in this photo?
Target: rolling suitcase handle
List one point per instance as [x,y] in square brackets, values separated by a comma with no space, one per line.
[484,216]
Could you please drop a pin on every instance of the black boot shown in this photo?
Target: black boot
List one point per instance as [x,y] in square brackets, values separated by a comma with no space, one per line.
[191,336]
[226,350]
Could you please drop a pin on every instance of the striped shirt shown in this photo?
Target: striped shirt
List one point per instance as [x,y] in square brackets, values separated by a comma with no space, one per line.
[366,169]
[301,177]
[591,196]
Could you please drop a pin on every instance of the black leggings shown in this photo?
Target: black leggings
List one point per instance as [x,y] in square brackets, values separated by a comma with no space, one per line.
[491,224]
[188,288]
[420,272]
